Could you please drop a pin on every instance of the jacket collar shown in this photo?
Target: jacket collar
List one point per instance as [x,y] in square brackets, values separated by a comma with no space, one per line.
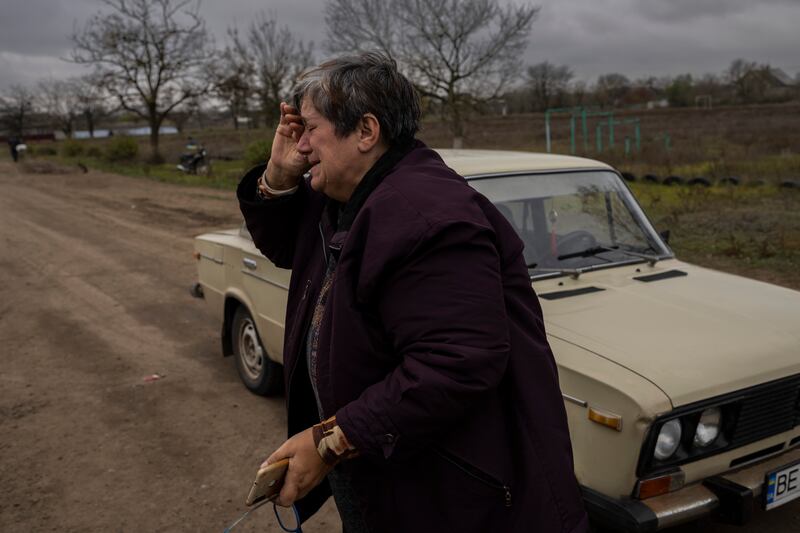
[339,217]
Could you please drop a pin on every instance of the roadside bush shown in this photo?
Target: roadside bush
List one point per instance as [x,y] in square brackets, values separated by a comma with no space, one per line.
[122,149]
[41,150]
[71,148]
[257,152]
[94,151]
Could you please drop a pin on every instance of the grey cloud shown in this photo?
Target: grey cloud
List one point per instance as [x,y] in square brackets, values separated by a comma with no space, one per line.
[41,26]
[615,36]
[634,37]
[673,11]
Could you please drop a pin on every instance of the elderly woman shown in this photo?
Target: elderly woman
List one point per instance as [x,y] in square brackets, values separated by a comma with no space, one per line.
[421,391]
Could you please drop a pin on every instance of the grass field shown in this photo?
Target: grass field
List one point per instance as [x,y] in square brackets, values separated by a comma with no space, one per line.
[749,230]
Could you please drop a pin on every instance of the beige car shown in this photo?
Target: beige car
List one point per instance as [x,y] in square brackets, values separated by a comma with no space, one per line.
[682,384]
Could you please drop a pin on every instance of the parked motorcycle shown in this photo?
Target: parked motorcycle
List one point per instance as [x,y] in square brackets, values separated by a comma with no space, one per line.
[195,162]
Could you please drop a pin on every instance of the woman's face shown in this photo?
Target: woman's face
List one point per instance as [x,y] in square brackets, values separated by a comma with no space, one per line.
[335,161]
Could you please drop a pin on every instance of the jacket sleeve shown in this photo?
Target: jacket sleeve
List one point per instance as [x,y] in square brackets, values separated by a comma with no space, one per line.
[444,310]
[273,223]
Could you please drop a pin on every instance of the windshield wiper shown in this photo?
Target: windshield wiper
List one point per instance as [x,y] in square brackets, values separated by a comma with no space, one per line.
[594,250]
[574,272]
[588,252]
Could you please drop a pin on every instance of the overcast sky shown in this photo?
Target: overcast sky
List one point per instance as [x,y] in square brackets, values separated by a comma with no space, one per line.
[634,37]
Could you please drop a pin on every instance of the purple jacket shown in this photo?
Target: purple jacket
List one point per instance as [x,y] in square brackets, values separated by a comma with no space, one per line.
[433,354]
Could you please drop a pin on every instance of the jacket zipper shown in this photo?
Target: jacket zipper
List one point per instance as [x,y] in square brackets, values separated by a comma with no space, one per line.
[476,473]
[305,327]
[324,248]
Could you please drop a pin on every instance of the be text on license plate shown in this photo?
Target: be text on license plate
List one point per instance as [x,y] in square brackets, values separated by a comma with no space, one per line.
[782,486]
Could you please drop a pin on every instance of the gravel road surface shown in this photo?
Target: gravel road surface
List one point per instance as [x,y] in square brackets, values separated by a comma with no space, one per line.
[94,276]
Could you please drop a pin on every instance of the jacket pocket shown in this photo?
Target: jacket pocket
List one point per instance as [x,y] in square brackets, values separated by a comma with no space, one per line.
[477,474]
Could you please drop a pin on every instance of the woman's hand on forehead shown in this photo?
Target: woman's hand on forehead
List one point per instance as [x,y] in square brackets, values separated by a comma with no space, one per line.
[286,164]
[291,124]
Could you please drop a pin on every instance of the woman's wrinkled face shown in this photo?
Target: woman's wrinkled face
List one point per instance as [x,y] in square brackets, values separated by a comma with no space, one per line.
[335,168]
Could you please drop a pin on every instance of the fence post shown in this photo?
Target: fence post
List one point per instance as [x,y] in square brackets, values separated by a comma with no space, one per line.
[547,130]
[599,138]
[585,128]
[572,133]
[611,131]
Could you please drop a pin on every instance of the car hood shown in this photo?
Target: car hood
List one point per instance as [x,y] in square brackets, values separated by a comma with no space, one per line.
[694,336]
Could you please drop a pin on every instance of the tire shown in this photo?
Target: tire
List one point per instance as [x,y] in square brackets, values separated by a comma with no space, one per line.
[673,180]
[789,184]
[704,182]
[628,176]
[730,180]
[257,371]
[651,178]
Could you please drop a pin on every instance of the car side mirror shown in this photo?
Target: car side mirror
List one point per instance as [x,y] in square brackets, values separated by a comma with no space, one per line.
[665,235]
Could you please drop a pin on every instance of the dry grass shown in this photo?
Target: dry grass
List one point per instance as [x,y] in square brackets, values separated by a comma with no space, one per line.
[753,231]
[750,142]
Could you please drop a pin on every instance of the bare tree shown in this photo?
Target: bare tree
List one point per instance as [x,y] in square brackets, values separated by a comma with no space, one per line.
[15,106]
[459,53]
[275,57]
[91,101]
[60,100]
[547,82]
[183,113]
[611,88]
[231,76]
[361,25]
[579,91]
[148,55]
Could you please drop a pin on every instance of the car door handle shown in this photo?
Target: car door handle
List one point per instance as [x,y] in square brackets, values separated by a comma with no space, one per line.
[250,263]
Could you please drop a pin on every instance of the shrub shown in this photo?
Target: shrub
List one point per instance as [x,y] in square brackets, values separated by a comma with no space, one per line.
[94,151]
[71,148]
[122,149]
[257,152]
[41,150]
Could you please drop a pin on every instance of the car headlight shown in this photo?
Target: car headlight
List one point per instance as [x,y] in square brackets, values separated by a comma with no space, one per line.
[708,427]
[669,438]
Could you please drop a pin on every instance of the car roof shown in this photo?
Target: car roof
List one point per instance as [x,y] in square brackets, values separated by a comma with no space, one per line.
[482,162]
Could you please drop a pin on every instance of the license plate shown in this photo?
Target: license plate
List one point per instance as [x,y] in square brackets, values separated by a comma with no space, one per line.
[782,486]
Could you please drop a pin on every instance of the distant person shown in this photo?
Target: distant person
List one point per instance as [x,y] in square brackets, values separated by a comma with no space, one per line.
[13,142]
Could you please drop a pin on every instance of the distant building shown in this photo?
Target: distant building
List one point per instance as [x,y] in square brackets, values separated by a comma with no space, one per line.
[769,83]
[658,104]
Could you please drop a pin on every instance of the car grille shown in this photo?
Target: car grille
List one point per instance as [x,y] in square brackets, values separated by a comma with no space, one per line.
[767,410]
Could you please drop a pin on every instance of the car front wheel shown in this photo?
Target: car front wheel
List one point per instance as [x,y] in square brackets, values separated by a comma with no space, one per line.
[258,372]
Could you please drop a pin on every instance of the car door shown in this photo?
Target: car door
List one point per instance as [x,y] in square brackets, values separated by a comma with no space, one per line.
[267,287]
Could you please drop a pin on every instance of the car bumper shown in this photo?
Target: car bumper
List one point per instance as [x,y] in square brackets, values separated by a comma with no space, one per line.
[731,496]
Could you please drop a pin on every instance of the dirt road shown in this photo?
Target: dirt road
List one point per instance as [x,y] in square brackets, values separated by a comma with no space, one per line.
[94,277]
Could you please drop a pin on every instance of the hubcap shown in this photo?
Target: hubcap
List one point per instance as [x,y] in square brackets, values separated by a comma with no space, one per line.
[250,351]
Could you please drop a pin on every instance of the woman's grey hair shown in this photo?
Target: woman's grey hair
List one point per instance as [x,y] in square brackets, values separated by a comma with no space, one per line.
[346,88]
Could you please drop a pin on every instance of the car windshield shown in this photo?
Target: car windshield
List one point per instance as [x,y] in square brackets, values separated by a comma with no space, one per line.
[574,221]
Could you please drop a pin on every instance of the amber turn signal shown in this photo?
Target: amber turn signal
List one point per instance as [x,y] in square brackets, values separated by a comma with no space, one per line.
[605,418]
[647,488]
[196,255]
